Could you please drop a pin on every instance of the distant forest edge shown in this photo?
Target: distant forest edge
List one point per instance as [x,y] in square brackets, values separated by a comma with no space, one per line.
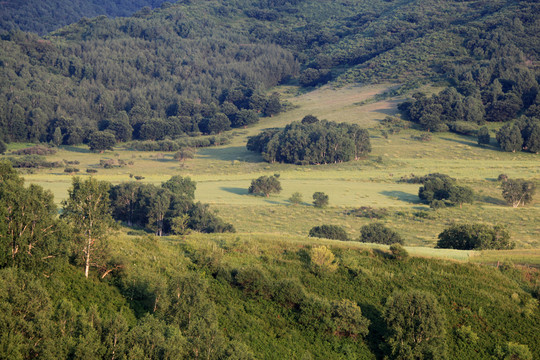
[205,66]
[42,17]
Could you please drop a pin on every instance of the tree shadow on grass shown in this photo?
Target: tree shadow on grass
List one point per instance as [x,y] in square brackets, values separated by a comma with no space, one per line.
[492,200]
[465,140]
[234,153]
[235,190]
[402,196]
[75,149]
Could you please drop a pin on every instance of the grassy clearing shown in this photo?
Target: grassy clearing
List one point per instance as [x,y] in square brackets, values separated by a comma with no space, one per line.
[224,173]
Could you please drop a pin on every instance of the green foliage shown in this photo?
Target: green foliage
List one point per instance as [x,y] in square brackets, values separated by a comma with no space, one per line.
[320,199]
[398,252]
[312,142]
[30,235]
[369,212]
[509,138]
[265,185]
[483,136]
[347,319]
[475,237]
[101,140]
[334,232]
[254,282]
[416,325]
[322,260]
[88,210]
[379,234]
[169,207]
[514,351]
[440,190]
[296,198]
[518,192]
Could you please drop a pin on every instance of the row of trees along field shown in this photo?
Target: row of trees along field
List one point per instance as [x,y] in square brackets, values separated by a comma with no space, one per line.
[312,142]
[197,66]
[68,289]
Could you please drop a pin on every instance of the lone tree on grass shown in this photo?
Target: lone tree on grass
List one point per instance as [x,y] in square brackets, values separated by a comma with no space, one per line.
[87,209]
[320,199]
[416,326]
[265,185]
[518,192]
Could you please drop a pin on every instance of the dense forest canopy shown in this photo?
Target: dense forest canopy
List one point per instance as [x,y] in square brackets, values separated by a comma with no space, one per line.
[203,65]
[41,16]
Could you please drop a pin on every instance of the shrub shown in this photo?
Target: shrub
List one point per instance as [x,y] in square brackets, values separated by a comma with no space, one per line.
[296,198]
[288,292]
[320,199]
[416,326]
[379,234]
[91,171]
[35,150]
[334,232]
[3,147]
[514,351]
[34,161]
[464,128]
[483,136]
[265,185]
[71,170]
[254,282]
[347,319]
[475,237]
[398,252]
[369,212]
[322,260]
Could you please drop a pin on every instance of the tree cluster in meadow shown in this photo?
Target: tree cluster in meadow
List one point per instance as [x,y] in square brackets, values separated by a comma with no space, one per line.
[169,208]
[319,142]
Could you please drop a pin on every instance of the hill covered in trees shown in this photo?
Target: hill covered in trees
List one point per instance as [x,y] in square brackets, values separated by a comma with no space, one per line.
[204,66]
[42,17]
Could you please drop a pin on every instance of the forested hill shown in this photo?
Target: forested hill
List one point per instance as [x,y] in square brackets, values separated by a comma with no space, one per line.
[44,16]
[199,64]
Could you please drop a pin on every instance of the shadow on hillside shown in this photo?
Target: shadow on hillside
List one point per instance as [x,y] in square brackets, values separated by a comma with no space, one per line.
[377,329]
[402,196]
[75,149]
[235,190]
[492,200]
[235,153]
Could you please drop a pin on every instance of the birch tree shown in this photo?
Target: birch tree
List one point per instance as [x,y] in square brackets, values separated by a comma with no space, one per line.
[87,209]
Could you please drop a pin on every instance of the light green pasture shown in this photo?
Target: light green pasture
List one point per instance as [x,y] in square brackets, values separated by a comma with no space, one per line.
[223,174]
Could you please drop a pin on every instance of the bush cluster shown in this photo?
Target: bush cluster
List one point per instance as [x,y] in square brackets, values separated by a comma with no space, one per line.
[475,237]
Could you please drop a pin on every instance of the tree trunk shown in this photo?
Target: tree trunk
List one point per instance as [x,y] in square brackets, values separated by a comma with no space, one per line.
[87,260]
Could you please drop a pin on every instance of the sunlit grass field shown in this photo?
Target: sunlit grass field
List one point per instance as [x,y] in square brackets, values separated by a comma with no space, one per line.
[224,173]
